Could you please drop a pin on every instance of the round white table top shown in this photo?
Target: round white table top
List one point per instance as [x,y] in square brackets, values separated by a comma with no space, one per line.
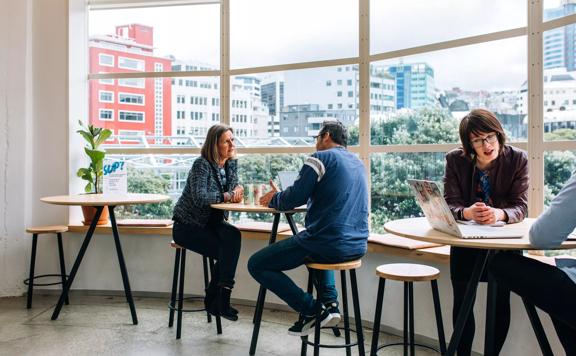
[105,199]
[253,208]
[419,229]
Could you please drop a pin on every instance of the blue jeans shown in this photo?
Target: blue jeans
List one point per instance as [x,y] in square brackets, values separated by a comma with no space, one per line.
[268,264]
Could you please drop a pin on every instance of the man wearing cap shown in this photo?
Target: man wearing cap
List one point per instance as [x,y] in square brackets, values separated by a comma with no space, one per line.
[332,182]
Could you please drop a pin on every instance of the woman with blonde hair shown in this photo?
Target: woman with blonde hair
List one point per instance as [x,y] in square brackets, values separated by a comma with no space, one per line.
[212,179]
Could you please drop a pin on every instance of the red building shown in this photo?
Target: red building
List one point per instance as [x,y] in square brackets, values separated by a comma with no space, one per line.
[130,106]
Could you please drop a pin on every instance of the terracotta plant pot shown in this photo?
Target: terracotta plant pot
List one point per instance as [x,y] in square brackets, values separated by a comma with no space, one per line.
[90,211]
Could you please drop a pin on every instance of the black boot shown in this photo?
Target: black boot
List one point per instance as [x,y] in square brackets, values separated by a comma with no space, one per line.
[211,294]
[221,305]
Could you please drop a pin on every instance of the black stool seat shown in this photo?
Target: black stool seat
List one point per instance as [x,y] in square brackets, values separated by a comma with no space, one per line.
[407,273]
[30,281]
[178,284]
[351,267]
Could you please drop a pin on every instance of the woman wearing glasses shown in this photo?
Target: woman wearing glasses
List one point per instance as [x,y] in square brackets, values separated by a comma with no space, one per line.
[197,227]
[486,181]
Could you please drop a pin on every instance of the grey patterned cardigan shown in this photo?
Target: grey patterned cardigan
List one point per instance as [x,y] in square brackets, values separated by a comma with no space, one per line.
[203,188]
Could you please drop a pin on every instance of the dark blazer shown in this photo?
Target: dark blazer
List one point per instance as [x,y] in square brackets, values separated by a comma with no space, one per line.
[508,177]
[204,187]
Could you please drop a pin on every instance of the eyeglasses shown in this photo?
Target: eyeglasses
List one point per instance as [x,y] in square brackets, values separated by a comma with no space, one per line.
[479,142]
[316,136]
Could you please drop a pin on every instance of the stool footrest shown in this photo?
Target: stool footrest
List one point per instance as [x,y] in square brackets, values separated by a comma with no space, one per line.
[326,346]
[27,280]
[187,310]
[402,344]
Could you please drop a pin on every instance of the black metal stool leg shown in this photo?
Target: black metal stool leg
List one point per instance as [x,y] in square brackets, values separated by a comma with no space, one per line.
[205,269]
[357,315]
[174,287]
[181,294]
[343,283]
[218,319]
[377,316]
[31,276]
[405,331]
[318,315]
[62,264]
[411,314]
[438,312]
[310,290]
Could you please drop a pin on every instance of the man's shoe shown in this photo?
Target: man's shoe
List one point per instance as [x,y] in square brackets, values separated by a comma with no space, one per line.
[334,312]
[306,323]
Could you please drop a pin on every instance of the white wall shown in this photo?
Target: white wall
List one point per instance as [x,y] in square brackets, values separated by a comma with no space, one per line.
[15,137]
[34,139]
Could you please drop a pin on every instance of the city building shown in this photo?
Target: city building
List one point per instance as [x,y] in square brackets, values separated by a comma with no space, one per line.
[331,93]
[414,85]
[131,107]
[559,43]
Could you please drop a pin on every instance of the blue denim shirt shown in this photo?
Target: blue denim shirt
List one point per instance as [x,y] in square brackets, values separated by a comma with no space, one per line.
[556,223]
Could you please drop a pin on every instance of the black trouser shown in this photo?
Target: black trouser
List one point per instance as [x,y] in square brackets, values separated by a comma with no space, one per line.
[218,240]
[543,285]
[462,262]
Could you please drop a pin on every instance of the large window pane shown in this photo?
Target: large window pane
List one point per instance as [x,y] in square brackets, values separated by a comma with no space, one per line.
[158,174]
[391,194]
[559,83]
[135,39]
[558,168]
[397,24]
[288,108]
[256,171]
[433,91]
[264,32]
[554,9]
[144,112]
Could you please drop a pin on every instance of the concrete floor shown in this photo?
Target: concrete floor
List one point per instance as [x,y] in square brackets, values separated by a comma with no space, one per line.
[102,325]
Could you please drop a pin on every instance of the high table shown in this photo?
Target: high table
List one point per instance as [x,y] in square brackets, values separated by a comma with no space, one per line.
[99,201]
[238,207]
[420,229]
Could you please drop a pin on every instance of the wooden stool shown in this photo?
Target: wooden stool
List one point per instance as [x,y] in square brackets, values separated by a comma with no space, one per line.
[179,269]
[408,273]
[39,230]
[350,266]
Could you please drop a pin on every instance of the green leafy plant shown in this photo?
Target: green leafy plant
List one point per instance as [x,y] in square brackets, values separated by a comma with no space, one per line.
[95,136]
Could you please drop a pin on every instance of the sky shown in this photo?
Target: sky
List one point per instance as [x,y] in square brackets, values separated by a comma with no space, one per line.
[270,32]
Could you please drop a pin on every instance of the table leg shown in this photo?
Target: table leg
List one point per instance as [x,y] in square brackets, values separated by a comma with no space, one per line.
[262,292]
[492,293]
[538,329]
[467,305]
[77,262]
[123,270]
[291,222]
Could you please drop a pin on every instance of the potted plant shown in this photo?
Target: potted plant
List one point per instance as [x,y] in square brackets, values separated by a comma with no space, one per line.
[93,174]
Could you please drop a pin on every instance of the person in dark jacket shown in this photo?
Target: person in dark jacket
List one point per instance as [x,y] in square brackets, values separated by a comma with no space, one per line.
[197,227]
[333,183]
[486,181]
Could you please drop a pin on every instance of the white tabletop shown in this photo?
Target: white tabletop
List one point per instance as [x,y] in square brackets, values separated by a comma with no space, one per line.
[420,229]
[105,199]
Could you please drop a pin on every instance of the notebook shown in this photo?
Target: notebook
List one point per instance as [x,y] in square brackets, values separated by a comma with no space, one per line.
[287,178]
[440,217]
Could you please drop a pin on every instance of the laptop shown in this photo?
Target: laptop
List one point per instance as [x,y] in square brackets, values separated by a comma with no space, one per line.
[287,178]
[440,217]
